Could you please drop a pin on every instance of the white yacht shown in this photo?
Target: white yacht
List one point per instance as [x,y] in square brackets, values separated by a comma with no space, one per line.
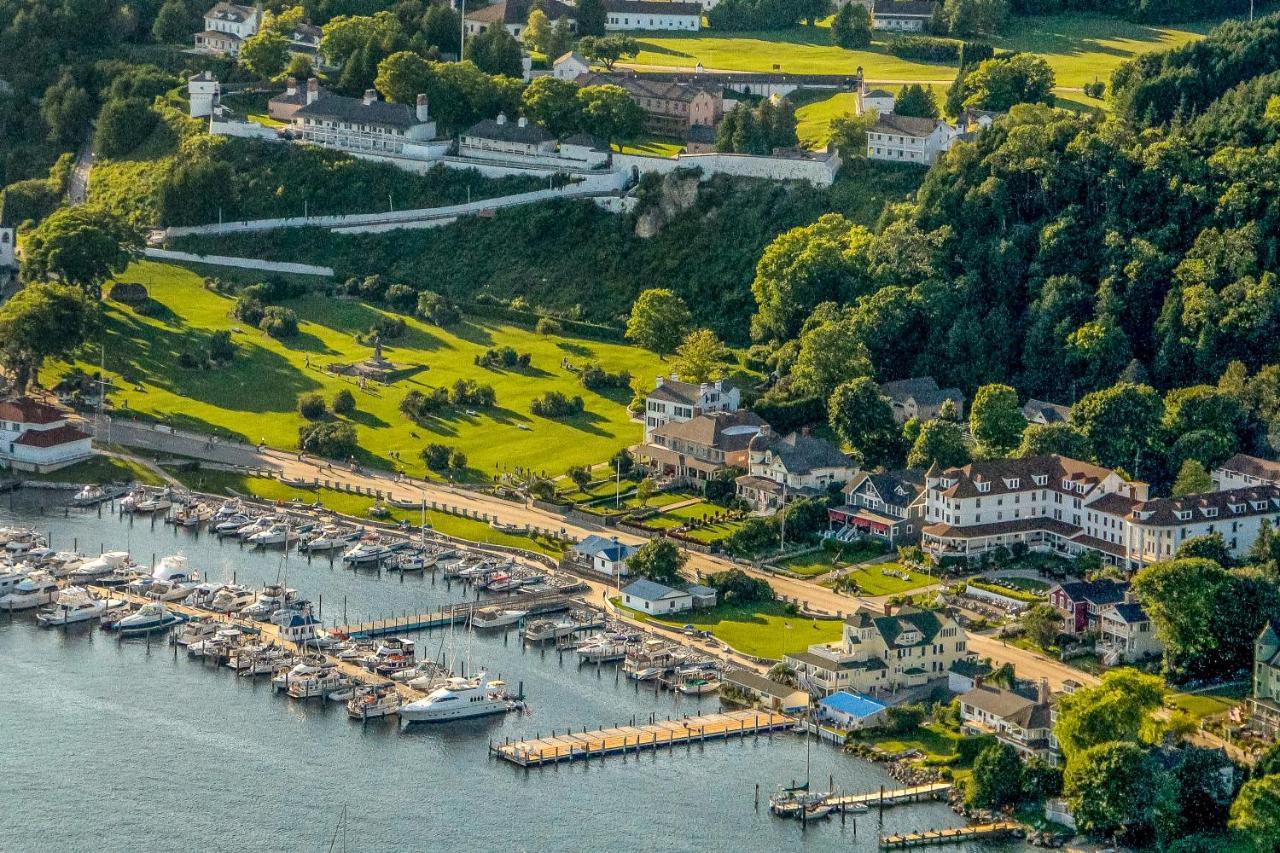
[327,538]
[319,684]
[63,563]
[150,617]
[369,552]
[74,604]
[496,618]
[276,534]
[458,699]
[272,598]
[11,576]
[88,495]
[548,629]
[35,589]
[307,667]
[196,630]
[193,514]
[229,524]
[231,598]
[157,502]
[100,566]
[380,701]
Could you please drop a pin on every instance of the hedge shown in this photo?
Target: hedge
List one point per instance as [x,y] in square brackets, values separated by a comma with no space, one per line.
[572,328]
[785,417]
[926,48]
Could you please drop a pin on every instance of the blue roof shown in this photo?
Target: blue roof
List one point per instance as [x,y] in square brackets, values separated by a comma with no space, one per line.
[854,704]
[648,590]
[593,546]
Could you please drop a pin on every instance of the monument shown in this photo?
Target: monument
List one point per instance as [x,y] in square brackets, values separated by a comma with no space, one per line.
[376,366]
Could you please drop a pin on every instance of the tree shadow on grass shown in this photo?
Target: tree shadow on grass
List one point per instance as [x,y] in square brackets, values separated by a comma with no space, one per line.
[307,342]
[585,422]
[530,371]
[367,419]
[473,333]
[577,349]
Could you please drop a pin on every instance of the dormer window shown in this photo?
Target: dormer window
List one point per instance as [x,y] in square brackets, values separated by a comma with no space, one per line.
[1066,484]
[1210,511]
[1040,479]
[1184,514]
[1237,508]
[1259,506]
[1080,488]
[984,486]
[1012,482]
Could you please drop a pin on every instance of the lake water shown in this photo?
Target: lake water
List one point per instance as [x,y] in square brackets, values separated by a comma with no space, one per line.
[113,744]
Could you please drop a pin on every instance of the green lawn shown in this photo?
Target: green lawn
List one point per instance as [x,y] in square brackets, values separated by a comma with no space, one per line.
[936,742]
[654,146]
[764,630]
[1022,589]
[357,506]
[809,565]
[813,120]
[1206,704]
[100,469]
[872,581]
[714,532]
[257,396]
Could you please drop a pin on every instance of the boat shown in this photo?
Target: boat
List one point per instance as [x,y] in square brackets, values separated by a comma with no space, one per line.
[193,515]
[73,604]
[601,651]
[161,500]
[697,686]
[90,494]
[229,524]
[218,646]
[306,667]
[317,685]
[492,617]
[63,563]
[195,630]
[149,618]
[230,598]
[423,669]
[100,566]
[24,542]
[35,589]
[540,630]
[409,561]
[255,525]
[460,698]
[328,538]
[381,701]
[278,533]
[272,598]
[266,661]
[366,551]
[396,653]
[11,576]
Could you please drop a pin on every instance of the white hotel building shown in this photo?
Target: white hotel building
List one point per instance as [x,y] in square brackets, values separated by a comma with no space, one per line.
[1052,503]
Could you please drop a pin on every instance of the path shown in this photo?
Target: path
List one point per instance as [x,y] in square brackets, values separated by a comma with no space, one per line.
[807,594]
[78,183]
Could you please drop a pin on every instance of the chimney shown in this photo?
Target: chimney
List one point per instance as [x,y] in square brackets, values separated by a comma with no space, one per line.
[313,90]
[291,86]
[370,96]
[675,377]
[423,113]
[888,609]
[804,431]
[522,122]
[658,384]
[1042,692]
[501,119]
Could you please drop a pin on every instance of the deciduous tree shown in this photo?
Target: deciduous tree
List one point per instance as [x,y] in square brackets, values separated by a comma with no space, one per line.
[659,319]
[659,560]
[996,419]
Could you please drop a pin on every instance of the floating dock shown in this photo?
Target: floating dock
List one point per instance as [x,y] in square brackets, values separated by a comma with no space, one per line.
[448,614]
[625,739]
[957,835]
[883,798]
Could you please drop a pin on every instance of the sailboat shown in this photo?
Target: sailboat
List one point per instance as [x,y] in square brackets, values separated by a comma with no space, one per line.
[798,801]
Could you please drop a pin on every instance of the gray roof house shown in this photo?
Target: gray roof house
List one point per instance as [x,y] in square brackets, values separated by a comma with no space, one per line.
[792,466]
[1040,412]
[920,398]
[649,596]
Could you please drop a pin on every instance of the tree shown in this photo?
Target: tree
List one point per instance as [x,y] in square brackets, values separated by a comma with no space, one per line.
[581,476]
[849,133]
[830,353]
[1043,623]
[591,17]
[495,51]
[311,407]
[435,456]
[1112,787]
[1059,437]
[441,27]
[553,103]
[344,402]
[175,22]
[1120,708]
[265,53]
[608,49]
[1256,812]
[644,491]
[1208,547]
[1119,422]
[940,443]
[609,113]
[79,246]
[700,358]
[997,778]
[1192,479]
[537,31]
[996,419]
[862,417]
[780,673]
[916,100]
[123,125]
[851,28]
[67,110]
[970,17]
[998,84]
[658,560]
[403,76]
[42,321]
[334,439]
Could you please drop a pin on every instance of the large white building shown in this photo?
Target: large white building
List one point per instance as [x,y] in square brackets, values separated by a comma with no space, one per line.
[908,139]
[363,125]
[1243,470]
[1053,503]
[652,15]
[36,437]
[226,26]
[673,400]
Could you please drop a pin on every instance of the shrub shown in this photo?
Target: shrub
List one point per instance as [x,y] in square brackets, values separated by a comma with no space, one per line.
[1095,89]
[128,293]
[457,460]
[334,439]
[553,404]
[384,328]
[595,378]
[311,407]
[402,297]
[436,456]
[925,48]
[221,347]
[436,309]
[249,310]
[503,357]
[903,719]
[547,326]
[466,392]
[419,406]
[344,402]
[279,322]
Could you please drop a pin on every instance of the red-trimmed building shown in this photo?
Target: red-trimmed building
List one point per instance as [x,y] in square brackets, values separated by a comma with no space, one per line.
[36,437]
[888,505]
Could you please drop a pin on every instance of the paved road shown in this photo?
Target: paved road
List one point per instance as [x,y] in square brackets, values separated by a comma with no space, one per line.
[806,593]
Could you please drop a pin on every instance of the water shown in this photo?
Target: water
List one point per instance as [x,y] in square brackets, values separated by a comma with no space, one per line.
[114,744]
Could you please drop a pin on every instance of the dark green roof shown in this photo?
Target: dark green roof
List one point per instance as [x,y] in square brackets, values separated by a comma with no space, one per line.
[924,621]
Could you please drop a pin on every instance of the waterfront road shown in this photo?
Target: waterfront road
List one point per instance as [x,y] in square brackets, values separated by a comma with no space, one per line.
[805,593]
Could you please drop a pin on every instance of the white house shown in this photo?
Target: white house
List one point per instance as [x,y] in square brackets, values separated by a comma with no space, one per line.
[879,101]
[606,556]
[1126,634]
[908,139]
[514,16]
[1022,723]
[36,437]
[651,597]
[770,694]
[652,15]
[848,711]
[203,92]
[363,125]
[499,139]
[1243,470]
[910,16]
[300,628]
[569,66]
[8,249]
[781,469]
[673,400]
[226,25]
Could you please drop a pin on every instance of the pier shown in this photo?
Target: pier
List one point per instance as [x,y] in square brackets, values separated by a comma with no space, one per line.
[958,835]
[883,799]
[448,614]
[624,739]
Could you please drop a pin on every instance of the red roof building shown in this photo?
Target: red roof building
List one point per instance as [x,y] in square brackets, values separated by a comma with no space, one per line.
[35,436]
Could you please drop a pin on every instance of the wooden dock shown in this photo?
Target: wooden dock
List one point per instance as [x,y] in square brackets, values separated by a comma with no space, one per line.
[883,798]
[448,614]
[957,835]
[624,739]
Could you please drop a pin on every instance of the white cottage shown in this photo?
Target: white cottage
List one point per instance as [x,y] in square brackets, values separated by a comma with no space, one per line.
[36,437]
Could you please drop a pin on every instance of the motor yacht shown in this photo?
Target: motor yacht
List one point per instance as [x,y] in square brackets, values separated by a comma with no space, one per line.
[306,667]
[97,567]
[541,630]
[228,524]
[231,598]
[380,701]
[317,685]
[150,617]
[395,652]
[35,589]
[63,563]
[327,538]
[73,604]
[156,502]
[193,514]
[265,661]
[601,651]
[698,686]
[256,525]
[278,533]
[365,552]
[272,598]
[409,561]
[493,617]
[195,630]
[89,495]
[11,576]
[218,646]
[429,668]
[23,542]
[460,698]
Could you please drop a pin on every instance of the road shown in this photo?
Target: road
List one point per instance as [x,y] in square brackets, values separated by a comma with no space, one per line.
[78,184]
[805,593]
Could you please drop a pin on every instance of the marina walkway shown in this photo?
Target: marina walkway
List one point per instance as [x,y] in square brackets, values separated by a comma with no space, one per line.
[624,739]
[898,796]
[957,835]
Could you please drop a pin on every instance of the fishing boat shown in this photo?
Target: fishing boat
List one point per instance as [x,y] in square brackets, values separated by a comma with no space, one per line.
[494,617]
[149,618]
[97,567]
[74,604]
[698,686]
[380,701]
[461,698]
[35,589]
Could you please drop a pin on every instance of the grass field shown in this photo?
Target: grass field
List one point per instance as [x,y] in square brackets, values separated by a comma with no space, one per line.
[256,397]
[1207,704]
[654,146]
[764,630]
[936,742]
[872,581]
[227,483]
[100,469]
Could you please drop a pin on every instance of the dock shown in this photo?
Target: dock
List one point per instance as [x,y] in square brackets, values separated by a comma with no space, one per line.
[448,614]
[957,835]
[883,799]
[624,739]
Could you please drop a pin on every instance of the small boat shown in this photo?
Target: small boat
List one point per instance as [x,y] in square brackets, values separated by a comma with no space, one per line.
[193,515]
[409,561]
[272,598]
[35,589]
[427,668]
[365,552]
[328,538]
[279,533]
[229,524]
[195,630]
[695,686]
[230,598]
[149,618]
[100,566]
[460,698]
[318,685]
[541,630]
[381,701]
[306,667]
[74,604]
[256,525]
[601,652]
[161,500]
[89,495]
[397,653]
[496,618]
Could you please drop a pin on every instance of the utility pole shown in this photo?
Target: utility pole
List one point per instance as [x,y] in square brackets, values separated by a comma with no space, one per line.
[782,516]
